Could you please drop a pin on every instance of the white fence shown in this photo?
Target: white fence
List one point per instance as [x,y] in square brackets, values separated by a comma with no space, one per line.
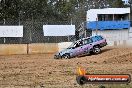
[58,30]
[11,31]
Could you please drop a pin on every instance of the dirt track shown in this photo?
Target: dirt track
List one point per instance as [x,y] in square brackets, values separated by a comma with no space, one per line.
[42,71]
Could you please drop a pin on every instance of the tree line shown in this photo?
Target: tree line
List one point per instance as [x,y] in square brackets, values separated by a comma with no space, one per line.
[52,10]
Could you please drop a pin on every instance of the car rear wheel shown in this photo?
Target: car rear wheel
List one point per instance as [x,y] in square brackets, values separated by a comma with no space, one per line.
[96,50]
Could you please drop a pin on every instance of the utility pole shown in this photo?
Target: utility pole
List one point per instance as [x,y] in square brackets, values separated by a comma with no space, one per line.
[130,18]
[130,2]
[4,21]
[4,37]
[31,29]
[96,19]
[97,26]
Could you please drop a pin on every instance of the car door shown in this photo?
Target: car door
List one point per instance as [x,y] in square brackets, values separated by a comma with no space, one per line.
[77,50]
[87,45]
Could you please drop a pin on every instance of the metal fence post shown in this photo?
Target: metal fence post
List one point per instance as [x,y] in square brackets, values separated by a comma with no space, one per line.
[96,26]
[4,37]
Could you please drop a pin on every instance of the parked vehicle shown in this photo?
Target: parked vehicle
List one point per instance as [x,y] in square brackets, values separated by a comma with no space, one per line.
[83,46]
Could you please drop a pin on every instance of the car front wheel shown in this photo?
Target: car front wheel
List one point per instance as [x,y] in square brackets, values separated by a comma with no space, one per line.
[56,57]
[66,56]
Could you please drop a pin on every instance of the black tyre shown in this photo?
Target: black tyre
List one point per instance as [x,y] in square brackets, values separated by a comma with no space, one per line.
[96,50]
[66,56]
[81,80]
[56,57]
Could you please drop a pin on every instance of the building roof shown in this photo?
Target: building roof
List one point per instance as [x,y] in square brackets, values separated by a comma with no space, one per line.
[92,13]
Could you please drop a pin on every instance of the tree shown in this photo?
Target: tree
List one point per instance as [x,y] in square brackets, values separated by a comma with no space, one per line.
[52,10]
[117,4]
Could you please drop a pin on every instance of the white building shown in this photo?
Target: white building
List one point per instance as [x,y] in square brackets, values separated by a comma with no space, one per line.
[112,23]
[125,1]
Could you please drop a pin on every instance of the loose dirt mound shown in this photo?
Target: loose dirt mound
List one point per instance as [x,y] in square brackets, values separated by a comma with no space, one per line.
[124,58]
[110,55]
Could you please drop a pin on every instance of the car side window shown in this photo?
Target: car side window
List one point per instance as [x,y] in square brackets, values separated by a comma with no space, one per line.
[99,38]
[96,38]
[87,41]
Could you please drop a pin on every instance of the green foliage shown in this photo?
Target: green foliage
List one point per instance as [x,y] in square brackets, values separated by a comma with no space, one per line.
[118,4]
[52,10]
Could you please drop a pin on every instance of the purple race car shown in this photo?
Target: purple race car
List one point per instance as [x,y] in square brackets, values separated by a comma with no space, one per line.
[82,47]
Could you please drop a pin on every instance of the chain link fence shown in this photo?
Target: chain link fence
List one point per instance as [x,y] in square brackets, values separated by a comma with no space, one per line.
[33,33]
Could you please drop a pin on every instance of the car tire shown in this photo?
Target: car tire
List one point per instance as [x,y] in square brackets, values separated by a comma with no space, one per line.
[56,57]
[81,80]
[96,50]
[66,56]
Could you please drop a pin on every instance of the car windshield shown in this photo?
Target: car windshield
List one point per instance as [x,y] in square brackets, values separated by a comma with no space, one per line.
[72,45]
